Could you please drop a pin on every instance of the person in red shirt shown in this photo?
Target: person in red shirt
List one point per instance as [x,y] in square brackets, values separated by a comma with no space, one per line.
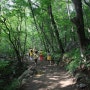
[41,55]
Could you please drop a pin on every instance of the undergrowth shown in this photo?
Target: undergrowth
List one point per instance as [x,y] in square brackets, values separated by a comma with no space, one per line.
[75,59]
[9,73]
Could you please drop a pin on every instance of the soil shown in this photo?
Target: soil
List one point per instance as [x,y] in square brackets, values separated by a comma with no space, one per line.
[49,77]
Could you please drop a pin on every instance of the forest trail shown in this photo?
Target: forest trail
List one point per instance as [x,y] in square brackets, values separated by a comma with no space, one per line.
[49,78]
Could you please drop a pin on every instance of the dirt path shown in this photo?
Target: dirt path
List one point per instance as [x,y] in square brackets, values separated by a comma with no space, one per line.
[49,78]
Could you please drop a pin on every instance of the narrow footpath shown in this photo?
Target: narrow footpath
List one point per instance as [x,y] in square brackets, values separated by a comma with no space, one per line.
[49,77]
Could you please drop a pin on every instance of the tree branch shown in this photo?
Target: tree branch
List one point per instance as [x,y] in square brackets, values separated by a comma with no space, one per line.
[88,4]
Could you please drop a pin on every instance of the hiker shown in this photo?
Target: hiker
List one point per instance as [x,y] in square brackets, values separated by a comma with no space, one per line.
[35,56]
[34,49]
[49,57]
[31,54]
[41,55]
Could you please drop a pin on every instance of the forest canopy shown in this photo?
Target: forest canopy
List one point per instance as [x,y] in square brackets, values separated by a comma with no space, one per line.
[61,27]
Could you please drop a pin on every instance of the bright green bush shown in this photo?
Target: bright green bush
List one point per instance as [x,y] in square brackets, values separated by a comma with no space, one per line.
[75,60]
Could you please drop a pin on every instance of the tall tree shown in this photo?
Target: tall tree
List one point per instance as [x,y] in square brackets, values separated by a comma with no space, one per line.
[79,22]
[13,24]
[55,27]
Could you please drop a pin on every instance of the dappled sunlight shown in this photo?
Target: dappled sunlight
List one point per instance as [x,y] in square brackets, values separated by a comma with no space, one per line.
[39,75]
[56,76]
[37,81]
[53,78]
[48,76]
[52,86]
[65,83]
[54,81]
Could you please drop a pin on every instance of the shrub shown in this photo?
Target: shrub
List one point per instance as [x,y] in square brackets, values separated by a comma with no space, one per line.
[13,85]
[75,60]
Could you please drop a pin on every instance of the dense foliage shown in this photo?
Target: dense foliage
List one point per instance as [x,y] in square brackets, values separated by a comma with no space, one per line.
[48,25]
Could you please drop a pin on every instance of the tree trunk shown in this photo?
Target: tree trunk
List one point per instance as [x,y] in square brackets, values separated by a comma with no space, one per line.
[45,36]
[55,28]
[79,22]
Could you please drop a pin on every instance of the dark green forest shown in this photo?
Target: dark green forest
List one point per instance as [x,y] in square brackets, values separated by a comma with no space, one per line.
[61,27]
